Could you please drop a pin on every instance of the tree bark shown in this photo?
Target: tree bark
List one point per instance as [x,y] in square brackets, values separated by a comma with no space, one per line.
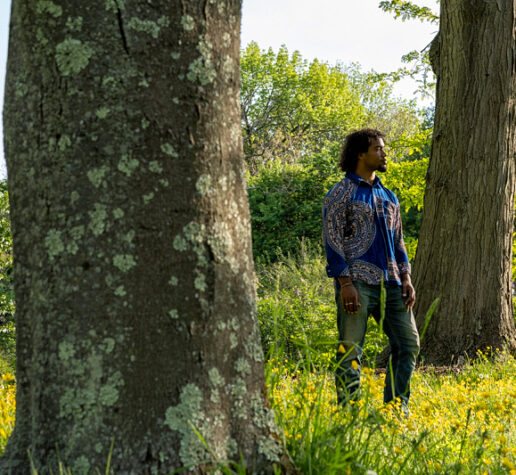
[464,251]
[134,276]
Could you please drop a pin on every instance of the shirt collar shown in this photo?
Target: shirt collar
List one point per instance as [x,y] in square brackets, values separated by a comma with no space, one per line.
[355,178]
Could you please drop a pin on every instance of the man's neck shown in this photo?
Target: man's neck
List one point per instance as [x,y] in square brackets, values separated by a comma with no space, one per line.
[366,175]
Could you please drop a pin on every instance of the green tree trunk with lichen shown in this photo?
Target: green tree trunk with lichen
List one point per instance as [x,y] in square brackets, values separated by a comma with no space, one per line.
[464,251]
[134,277]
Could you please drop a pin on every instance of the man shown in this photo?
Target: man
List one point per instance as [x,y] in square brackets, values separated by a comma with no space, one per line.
[364,247]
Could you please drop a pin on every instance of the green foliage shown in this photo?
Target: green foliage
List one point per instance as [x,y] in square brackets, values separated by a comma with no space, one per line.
[290,106]
[394,116]
[419,62]
[409,10]
[420,70]
[411,138]
[294,117]
[285,202]
[407,180]
[7,331]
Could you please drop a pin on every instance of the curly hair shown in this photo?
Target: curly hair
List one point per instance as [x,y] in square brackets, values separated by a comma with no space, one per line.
[356,143]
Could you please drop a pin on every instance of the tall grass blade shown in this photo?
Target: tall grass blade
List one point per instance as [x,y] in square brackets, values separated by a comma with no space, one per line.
[428,316]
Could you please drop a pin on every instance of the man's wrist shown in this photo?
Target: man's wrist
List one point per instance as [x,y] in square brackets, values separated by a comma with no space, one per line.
[344,281]
[405,277]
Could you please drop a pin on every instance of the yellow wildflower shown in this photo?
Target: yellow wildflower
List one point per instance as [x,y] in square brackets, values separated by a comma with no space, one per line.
[506,462]
[7,377]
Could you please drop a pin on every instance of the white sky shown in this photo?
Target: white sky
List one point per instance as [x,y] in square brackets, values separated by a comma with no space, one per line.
[330,30]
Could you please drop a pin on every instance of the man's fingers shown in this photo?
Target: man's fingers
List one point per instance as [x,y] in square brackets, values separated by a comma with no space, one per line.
[411,300]
[351,307]
[350,301]
[409,294]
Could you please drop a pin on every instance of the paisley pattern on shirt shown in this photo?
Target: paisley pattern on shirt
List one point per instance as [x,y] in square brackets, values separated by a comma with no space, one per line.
[359,229]
[336,206]
[400,244]
[366,272]
[393,271]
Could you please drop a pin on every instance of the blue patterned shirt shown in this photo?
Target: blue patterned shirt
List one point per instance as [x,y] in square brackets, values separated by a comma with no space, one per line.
[362,232]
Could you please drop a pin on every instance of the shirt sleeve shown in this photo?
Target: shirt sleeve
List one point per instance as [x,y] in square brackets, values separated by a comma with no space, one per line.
[400,251]
[333,236]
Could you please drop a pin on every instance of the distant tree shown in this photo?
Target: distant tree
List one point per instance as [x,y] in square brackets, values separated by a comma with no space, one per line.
[134,277]
[464,252]
[406,10]
[291,107]
[418,61]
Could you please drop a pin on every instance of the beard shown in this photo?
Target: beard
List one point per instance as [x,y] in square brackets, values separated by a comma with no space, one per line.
[382,168]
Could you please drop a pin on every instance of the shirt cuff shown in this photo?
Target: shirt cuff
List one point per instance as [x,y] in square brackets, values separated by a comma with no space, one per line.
[336,273]
[404,268]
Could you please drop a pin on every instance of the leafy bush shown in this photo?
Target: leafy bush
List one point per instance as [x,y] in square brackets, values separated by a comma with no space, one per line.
[407,180]
[285,202]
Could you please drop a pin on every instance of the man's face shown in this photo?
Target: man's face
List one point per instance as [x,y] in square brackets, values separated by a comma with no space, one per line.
[375,159]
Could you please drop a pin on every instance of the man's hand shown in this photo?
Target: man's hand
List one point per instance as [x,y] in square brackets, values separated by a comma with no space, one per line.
[348,295]
[407,291]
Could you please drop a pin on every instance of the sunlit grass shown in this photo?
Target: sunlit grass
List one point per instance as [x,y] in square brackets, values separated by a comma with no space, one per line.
[7,408]
[461,419]
[458,422]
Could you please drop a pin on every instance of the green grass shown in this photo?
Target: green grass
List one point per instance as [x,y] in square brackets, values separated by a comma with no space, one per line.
[461,420]
[296,309]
